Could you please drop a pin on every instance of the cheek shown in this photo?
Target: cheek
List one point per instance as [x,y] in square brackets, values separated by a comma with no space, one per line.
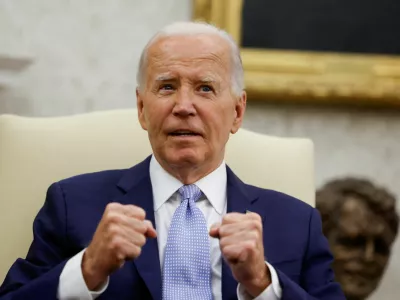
[152,125]
[219,131]
[346,253]
[219,120]
[156,116]
[382,260]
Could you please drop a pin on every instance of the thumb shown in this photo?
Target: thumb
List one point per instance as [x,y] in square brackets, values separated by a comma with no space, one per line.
[151,232]
[214,230]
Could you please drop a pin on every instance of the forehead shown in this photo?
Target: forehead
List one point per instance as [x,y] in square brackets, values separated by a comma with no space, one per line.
[356,218]
[201,54]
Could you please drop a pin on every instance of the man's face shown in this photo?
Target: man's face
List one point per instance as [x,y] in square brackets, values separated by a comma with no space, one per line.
[361,247]
[187,105]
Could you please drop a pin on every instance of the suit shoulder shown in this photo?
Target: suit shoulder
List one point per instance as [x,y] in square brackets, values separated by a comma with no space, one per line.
[101,178]
[282,202]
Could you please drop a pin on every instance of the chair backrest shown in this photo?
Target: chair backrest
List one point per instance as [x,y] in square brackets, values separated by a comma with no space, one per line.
[35,152]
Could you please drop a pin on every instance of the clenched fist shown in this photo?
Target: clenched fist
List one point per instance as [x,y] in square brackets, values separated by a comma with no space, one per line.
[119,236]
[241,242]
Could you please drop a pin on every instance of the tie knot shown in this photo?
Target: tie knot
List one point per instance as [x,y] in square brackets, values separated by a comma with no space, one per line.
[191,192]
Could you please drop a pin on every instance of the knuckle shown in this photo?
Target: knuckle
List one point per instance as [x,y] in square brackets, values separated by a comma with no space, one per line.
[120,256]
[115,244]
[140,212]
[147,225]
[223,243]
[141,240]
[136,251]
[250,245]
[136,211]
[224,250]
[140,227]
[256,224]
[255,235]
[113,230]
[253,224]
[222,231]
[112,206]
[113,217]
[226,219]
[256,217]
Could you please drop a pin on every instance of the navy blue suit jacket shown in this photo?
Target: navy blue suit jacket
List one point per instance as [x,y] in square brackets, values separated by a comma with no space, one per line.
[294,243]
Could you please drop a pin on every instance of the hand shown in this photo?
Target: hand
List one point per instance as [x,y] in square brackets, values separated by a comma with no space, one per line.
[241,243]
[119,236]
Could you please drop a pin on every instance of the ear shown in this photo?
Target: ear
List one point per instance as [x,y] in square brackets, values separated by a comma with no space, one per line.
[140,108]
[240,108]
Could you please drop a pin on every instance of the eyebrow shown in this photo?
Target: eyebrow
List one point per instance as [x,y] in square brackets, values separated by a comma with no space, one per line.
[208,80]
[164,77]
[169,77]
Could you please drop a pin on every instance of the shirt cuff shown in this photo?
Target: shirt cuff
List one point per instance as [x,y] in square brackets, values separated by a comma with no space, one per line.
[72,285]
[272,292]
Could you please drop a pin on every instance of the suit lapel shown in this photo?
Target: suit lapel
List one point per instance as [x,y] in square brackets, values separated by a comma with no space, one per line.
[138,191]
[137,185]
[240,199]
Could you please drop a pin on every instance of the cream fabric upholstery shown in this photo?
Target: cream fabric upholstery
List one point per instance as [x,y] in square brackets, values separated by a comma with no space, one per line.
[35,152]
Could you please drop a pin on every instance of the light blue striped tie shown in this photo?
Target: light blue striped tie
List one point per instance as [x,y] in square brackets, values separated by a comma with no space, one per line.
[187,264]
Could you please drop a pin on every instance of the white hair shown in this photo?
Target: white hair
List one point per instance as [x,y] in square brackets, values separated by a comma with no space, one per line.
[196,28]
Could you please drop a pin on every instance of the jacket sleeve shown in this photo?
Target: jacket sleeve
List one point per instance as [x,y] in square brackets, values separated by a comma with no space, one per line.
[37,276]
[317,278]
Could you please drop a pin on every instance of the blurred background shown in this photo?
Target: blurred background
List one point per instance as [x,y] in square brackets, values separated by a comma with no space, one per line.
[62,57]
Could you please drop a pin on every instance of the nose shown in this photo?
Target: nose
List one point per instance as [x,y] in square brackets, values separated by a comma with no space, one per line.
[183,104]
[369,250]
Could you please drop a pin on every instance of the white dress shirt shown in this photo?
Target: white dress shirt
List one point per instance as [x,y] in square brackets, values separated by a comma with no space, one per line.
[166,200]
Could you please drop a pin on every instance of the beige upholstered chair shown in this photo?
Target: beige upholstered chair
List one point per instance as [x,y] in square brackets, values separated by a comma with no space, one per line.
[34,152]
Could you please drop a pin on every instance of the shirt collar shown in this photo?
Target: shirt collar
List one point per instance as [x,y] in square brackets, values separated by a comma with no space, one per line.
[164,185]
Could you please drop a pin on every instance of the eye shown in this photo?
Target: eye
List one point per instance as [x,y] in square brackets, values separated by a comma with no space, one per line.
[381,246]
[354,242]
[166,87]
[206,89]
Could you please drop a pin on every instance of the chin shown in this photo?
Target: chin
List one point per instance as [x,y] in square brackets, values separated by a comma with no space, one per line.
[355,290]
[183,157]
[356,296]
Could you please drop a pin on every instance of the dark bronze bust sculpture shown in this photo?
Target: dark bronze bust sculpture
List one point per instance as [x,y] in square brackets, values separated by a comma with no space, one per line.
[361,223]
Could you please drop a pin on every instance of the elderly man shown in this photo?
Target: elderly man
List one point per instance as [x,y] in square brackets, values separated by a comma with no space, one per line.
[214,237]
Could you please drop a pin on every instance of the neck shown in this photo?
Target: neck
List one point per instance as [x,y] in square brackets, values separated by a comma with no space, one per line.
[188,173]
